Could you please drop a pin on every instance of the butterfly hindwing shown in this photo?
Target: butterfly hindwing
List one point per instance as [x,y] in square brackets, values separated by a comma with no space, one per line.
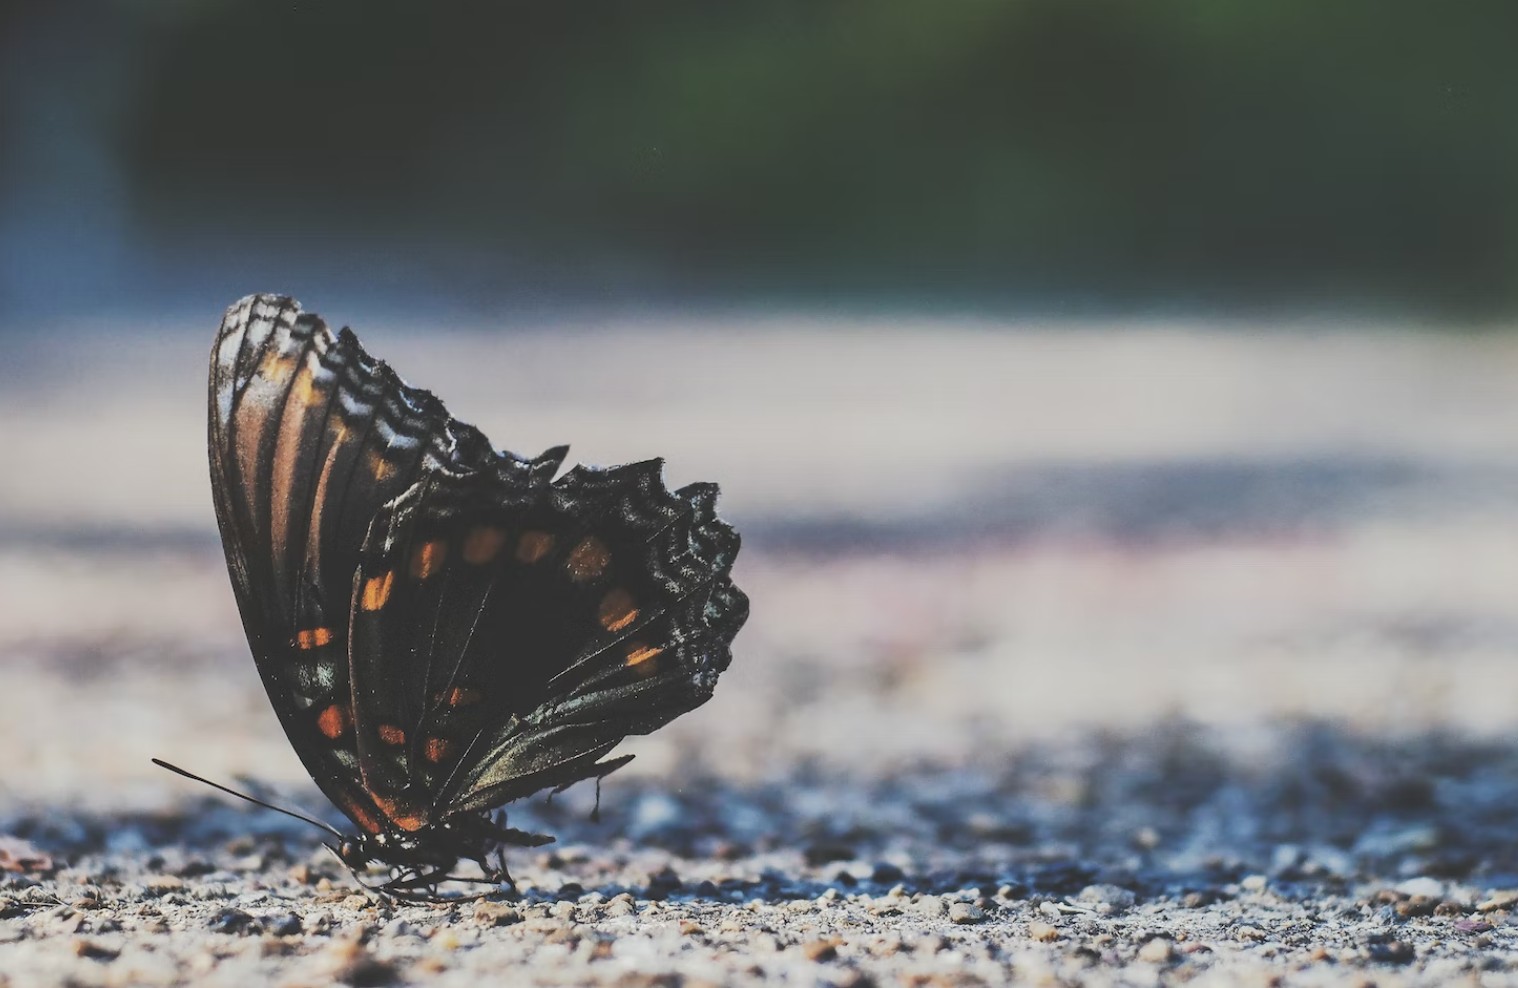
[506,635]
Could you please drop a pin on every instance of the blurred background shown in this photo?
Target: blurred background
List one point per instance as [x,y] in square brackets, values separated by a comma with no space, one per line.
[1069,367]
[1038,156]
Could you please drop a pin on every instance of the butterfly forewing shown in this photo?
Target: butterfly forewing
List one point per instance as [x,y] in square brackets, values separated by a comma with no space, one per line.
[308,437]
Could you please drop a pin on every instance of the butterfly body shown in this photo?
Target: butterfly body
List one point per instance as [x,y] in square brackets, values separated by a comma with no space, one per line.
[443,628]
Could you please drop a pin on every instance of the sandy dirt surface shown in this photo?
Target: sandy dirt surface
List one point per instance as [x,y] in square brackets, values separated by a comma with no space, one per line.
[1079,655]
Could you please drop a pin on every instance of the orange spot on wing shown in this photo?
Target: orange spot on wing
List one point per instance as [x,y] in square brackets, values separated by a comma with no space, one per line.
[380,467]
[403,815]
[639,653]
[482,544]
[360,814]
[275,364]
[313,638]
[377,591]
[463,696]
[427,558]
[390,734]
[304,393]
[437,749]
[587,560]
[617,610]
[334,721]
[533,546]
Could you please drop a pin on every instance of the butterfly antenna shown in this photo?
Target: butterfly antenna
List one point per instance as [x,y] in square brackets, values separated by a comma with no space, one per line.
[256,802]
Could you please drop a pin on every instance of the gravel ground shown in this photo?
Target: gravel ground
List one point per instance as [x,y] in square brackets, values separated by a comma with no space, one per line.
[1078,657]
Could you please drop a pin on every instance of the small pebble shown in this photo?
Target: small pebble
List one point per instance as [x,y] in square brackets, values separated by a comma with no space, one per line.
[965,913]
[496,913]
[90,950]
[1113,898]
[820,950]
[1497,900]
[931,906]
[1157,951]
[1042,932]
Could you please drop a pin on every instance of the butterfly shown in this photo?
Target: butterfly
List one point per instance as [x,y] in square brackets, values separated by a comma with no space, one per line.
[442,627]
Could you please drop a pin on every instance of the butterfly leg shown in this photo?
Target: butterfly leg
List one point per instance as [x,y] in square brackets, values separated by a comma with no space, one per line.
[598,771]
[498,871]
[420,886]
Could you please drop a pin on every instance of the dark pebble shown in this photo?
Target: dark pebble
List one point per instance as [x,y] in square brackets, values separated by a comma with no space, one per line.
[283,925]
[825,851]
[707,890]
[662,883]
[194,869]
[845,879]
[571,890]
[1474,926]
[233,921]
[365,971]
[1393,952]
[1063,879]
[856,979]
[731,851]
[887,874]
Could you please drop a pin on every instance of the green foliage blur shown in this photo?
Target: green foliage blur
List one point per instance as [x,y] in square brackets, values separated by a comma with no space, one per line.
[1343,155]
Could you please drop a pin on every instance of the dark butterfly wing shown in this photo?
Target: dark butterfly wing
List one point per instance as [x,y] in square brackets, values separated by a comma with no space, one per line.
[309,435]
[507,635]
